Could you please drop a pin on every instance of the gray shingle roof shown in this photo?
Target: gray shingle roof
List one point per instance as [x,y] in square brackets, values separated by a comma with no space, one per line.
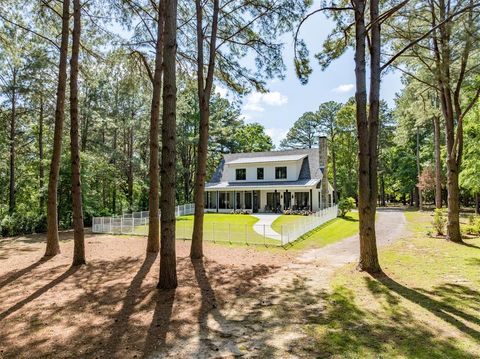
[310,166]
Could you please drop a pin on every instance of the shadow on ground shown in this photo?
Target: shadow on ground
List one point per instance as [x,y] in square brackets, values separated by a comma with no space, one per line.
[112,309]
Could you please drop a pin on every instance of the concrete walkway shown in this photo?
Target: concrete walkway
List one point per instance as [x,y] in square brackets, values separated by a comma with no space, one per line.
[264,225]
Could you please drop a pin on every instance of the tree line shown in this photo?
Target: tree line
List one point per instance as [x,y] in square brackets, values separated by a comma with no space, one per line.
[137,95]
[137,79]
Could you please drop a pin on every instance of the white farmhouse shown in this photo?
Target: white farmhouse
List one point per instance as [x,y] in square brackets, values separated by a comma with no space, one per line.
[271,181]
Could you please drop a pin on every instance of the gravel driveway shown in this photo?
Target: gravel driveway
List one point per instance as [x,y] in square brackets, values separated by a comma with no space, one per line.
[390,226]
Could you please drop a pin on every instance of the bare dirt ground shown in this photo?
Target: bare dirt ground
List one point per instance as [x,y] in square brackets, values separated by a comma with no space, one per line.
[236,302]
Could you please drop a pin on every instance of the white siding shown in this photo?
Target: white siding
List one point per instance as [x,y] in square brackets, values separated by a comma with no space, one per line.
[293,171]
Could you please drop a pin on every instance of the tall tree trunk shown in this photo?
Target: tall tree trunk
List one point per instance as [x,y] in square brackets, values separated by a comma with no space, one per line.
[130,168]
[418,189]
[367,127]
[41,174]
[382,191]
[438,164]
[114,161]
[53,246]
[153,198]
[77,210]
[13,119]
[168,264]
[204,88]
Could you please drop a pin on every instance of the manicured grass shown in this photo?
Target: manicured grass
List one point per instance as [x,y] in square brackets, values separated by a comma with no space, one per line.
[426,305]
[219,227]
[330,232]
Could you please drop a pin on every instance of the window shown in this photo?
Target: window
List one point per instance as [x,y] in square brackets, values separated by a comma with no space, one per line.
[211,200]
[226,200]
[280,172]
[240,174]
[259,173]
[302,200]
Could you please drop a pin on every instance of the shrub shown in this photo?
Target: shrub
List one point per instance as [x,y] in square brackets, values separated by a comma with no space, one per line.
[7,226]
[23,223]
[473,227]
[345,205]
[439,221]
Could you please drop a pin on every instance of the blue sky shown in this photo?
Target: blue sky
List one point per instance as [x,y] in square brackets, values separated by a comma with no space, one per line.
[288,99]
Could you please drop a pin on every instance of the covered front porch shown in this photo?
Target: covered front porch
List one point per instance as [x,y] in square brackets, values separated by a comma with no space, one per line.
[266,200]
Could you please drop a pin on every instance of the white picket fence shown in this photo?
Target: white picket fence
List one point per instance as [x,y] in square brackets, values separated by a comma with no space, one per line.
[132,223]
[292,232]
[136,223]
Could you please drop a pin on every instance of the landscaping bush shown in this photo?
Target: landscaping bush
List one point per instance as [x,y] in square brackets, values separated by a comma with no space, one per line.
[23,223]
[240,211]
[345,205]
[473,227]
[298,212]
[439,221]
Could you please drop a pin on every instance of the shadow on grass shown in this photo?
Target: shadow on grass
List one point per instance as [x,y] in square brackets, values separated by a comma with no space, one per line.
[349,218]
[336,324]
[470,245]
[442,307]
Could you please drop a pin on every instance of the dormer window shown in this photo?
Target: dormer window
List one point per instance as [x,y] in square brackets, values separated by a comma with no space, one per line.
[280,172]
[241,174]
[260,173]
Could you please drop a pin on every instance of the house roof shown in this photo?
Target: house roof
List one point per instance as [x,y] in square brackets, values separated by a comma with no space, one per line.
[284,158]
[310,169]
[261,184]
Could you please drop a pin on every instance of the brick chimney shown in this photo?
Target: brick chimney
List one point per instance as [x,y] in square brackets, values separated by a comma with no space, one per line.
[323,159]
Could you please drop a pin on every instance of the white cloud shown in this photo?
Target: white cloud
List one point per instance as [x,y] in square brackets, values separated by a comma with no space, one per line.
[344,88]
[256,101]
[277,134]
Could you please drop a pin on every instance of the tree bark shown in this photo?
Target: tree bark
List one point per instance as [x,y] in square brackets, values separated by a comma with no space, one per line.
[168,270]
[13,119]
[130,168]
[204,88]
[53,246]
[153,199]
[438,164]
[367,128]
[418,189]
[41,174]
[77,210]
[114,155]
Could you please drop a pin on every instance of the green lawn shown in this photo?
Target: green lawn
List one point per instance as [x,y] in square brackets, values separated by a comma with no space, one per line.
[219,227]
[425,306]
[330,232]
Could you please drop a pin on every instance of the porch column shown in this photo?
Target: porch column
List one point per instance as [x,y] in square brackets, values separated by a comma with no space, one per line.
[218,200]
[311,200]
[234,201]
